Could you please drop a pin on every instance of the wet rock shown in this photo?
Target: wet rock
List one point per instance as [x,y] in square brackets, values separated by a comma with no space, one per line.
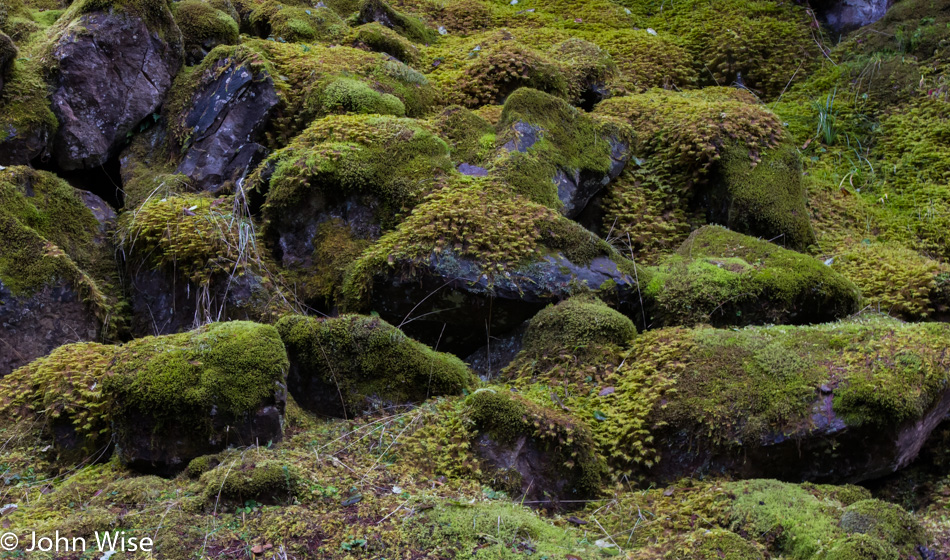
[226,115]
[488,361]
[113,70]
[848,15]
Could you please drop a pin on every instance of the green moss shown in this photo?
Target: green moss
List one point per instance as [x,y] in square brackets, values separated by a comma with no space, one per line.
[860,547]
[244,479]
[588,66]
[765,197]
[228,367]
[470,137]
[645,61]
[353,96]
[24,104]
[892,278]
[365,361]
[506,418]
[569,140]
[406,25]
[297,23]
[156,13]
[380,38]
[204,27]
[576,324]
[721,277]
[885,521]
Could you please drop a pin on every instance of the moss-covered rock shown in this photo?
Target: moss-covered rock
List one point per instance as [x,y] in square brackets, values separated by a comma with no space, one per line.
[471,138]
[26,121]
[377,37]
[346,179]
[354,364]
[161,400]
[532,452]
[557,155]
[472,246]
[57,270]
[203,27]
[724,278]
[8,52]
[291,21]
[846,401]
[577,322]
[193,259]
[406,25]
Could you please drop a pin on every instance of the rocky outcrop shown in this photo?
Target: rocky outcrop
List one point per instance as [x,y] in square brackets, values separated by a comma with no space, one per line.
[56,266]
[848,15]
[231,104]
[113,70]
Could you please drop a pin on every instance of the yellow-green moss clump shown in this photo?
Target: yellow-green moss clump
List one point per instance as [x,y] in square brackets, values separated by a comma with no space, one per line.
[892,278]
[568,140]
[294,21]
[377,37]
[353,364]
[83,395]
[725,278]
[203,27]
[471,138]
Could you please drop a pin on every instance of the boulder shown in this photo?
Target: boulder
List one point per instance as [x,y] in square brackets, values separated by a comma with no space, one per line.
[162,401]
[203,27]
[841,402]
[407,26]
[473,262]
[353,364]
[113,69]
[227,109]
[848,15]
[338,186]
[191,259]
[534,453]
[720,277]
[556,154]
[56,266]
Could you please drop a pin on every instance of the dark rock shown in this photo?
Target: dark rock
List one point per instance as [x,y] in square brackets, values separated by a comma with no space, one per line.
[848,15]
[472,170]
[113,71]
[230,108]
[488,361]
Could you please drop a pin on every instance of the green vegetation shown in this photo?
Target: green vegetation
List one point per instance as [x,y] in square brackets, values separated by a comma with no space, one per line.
[203,27]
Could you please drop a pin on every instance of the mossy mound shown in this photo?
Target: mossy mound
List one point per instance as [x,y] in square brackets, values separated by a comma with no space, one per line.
[527,446]
[377,37]
[471,138]
[203,27]
[162,400]
[555,154]
[354,364]
[725,278]
[406,25]
[761,400]
[294,22]
[346,179]
[26,120]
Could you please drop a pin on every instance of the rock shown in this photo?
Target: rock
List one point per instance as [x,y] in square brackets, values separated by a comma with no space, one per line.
[848,15]
[534,453]
[161,400]
[488,361]
[56,266]
[232,102]
[26,121]
[748,402]
[339,186]
[353,364]
[407,26]
[8,52]
[113,70]
[190,261]
[470,263]
[720,277]
[578,158]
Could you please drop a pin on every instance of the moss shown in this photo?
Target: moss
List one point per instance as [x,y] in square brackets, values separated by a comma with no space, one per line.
[364,362]
[506,418]
[860,547]
[576,323]
[335,248]
[156,13]
[589,66]
[702,122]
[645,61]
[50,236]
[379,38]
[296,23]
[764,198]
[25,113]
[721,277]
[180,379]
[203,27]
[244,479]
[893,279]
[885,521]
[470,137]
[847,494]
[568,140]
[406,25]
[353,96]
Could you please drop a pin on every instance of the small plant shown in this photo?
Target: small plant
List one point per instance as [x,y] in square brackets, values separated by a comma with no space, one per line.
[827,119]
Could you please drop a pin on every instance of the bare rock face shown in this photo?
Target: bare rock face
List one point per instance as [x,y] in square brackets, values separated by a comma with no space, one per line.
[848,15]
[113,71]
[229,110]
